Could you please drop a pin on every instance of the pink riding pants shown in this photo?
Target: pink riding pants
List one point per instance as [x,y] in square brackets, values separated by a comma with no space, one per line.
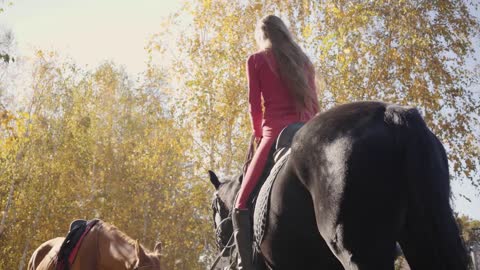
[255,169]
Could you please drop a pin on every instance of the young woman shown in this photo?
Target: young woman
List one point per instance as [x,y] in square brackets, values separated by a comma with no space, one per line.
[282,75]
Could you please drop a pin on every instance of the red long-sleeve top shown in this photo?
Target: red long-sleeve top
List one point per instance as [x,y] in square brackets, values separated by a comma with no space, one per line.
[279,104]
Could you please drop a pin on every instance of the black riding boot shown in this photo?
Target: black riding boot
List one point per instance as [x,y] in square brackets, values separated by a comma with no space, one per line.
[242,232]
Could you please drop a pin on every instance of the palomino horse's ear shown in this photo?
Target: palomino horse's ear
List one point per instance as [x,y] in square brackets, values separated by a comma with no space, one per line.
[158,247]
[141,256]
[214,179]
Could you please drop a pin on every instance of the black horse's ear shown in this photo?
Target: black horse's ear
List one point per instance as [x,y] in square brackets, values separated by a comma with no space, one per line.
[214,179]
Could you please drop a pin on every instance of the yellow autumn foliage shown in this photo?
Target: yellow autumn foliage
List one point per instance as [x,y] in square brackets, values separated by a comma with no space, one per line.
[97,143]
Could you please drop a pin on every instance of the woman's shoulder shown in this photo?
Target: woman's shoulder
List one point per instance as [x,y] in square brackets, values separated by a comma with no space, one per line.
[256,58]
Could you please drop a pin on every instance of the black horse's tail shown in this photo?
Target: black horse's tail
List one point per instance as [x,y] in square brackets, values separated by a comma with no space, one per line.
[430,237]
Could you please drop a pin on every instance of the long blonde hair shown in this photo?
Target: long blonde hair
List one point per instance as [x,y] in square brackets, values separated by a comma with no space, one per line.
[293,65]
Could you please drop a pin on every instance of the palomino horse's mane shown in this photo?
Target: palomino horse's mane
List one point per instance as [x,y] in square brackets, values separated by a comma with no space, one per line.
[111,228]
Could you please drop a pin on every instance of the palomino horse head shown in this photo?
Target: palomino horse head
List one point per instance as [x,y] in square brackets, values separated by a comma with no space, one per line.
[222,205]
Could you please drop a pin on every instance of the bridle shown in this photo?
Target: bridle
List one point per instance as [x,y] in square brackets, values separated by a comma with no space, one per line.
[219,208]
[221,211]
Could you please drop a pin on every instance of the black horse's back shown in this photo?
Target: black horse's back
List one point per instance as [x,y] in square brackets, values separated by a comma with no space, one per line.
[377,175]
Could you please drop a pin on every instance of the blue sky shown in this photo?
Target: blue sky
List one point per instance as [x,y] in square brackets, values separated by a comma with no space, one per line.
[92,31]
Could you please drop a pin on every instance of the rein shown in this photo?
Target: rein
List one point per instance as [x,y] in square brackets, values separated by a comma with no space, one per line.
[219,256]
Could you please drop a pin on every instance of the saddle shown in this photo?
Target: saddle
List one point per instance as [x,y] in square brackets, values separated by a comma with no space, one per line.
[260,203]
[70,246]
[284,140]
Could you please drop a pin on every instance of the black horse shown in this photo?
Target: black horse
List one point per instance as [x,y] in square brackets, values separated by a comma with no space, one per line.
[360,177]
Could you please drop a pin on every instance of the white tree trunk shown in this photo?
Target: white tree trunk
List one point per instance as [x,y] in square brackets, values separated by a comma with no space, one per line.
[7,208]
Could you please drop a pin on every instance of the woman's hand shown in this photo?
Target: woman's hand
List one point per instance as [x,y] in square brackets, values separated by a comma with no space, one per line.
[257,141]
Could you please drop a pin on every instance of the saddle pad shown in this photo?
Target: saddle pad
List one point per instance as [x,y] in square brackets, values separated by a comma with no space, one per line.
[71,244]
[260,216]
